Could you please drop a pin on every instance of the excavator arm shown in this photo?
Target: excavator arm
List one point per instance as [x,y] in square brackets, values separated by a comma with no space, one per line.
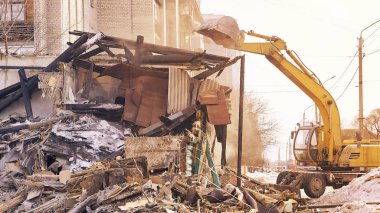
[272,49]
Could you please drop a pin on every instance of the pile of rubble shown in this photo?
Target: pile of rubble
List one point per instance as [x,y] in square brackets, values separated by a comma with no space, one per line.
[83,164]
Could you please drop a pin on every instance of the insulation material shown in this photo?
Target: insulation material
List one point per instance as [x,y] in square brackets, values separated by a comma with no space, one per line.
[179,96]
[160,151]
[51,84]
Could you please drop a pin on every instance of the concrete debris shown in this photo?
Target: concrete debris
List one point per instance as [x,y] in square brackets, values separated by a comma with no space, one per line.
[85,164]
[96,135]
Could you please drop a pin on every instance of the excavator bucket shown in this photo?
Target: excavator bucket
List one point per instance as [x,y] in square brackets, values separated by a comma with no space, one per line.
[223,31]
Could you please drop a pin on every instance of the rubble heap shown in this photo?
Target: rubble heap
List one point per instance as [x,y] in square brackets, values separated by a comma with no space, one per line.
[80,164]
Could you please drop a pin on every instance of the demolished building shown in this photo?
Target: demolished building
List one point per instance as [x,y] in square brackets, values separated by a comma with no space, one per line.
[157,156]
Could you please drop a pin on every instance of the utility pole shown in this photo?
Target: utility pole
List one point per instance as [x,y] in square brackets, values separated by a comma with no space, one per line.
[361,117]
[240,125]
[360,51]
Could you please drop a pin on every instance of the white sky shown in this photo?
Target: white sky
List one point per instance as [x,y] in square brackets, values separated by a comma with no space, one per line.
[324,34]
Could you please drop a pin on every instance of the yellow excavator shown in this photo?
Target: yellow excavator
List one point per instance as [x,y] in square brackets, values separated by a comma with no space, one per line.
[318,145]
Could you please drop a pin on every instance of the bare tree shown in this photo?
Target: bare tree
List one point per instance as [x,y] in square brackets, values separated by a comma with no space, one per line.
[371,126]
[259,131]
[372,123]
[258,112]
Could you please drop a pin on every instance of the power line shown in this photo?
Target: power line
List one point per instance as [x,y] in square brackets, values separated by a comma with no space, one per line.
[372,33]
[373,40]
[329,56]
[284,91]
[373,52]
[278,91]
[349,83]
[315,76]
[345,71]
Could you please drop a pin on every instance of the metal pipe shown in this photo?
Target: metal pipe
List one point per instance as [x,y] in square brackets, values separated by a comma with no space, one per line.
[25,94]
[18,127]
[20,67]
[12,88]
[240,127]
[31,84]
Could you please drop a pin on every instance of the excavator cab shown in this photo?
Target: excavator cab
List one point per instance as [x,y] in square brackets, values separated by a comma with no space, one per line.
[305,147]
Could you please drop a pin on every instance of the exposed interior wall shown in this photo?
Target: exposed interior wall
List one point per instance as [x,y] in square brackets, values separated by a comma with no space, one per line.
[41,107]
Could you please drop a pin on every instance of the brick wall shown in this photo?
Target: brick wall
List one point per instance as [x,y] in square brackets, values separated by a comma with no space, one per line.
[54,26]
[29,11]
[143,20]
[40,26]
[120,18]
[48,26]
[125,18]
[53,19]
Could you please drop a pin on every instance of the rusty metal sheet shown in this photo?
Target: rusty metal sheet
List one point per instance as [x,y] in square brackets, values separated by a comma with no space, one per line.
[104,89]
[218,113]
[146,100]
[207,85]
[160,151]
[179,95]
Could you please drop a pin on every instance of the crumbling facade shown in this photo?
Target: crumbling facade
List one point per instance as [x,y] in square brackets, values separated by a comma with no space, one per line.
[166,22]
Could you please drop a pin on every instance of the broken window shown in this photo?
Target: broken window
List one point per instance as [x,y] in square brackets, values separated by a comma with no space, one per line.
[16,17]
[13,10]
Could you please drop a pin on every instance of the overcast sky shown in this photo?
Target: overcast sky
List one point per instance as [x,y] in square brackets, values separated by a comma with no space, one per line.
[324,34]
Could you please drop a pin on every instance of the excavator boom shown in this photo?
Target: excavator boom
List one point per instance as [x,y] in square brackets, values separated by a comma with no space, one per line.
[225,31]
